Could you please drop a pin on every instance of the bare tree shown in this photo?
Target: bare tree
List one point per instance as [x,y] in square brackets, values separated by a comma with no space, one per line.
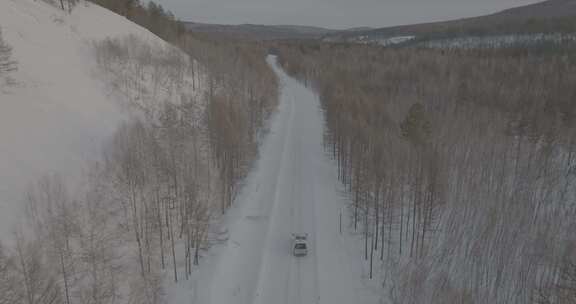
[52,214]
[6,62]
[10,291]
[39,287]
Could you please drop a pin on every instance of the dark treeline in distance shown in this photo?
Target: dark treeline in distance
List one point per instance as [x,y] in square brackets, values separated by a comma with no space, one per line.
[149,15]
[459,165]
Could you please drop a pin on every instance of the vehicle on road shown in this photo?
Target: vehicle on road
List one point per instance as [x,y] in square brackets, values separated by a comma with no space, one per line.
[299,244]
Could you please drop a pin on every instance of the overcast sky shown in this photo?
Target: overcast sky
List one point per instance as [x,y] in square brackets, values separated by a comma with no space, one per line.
[333,13]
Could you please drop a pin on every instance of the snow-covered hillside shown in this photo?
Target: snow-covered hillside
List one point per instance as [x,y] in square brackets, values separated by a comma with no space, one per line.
[61,106]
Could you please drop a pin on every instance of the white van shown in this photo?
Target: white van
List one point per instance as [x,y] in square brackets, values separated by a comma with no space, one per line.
[299,244]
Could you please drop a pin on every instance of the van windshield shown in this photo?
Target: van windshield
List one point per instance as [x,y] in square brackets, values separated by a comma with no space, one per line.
[300,246]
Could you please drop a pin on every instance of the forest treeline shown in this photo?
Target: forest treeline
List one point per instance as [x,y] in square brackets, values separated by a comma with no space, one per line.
[459,165]
[149,15]
[146,208]
[522,26]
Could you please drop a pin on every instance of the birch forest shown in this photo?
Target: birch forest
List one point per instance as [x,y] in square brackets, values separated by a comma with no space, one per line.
[459,165]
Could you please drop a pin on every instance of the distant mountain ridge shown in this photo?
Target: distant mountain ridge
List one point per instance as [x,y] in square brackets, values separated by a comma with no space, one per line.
[546,16]
[545,9]
[551,15]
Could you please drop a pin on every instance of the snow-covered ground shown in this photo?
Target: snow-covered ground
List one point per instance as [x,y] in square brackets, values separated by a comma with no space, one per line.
[57,114]
[293,188]
[388,41]
[366,39]
[383,41]
[394,40]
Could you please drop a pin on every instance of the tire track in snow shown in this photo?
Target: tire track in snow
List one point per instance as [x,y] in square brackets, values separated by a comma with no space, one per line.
[298,201]
[274,254]
[315,252]
[309,139]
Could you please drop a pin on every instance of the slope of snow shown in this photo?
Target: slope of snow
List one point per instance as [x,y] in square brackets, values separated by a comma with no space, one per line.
[56,115]
[293,188]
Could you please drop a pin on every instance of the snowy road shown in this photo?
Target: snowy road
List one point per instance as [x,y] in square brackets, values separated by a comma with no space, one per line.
[293,188]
